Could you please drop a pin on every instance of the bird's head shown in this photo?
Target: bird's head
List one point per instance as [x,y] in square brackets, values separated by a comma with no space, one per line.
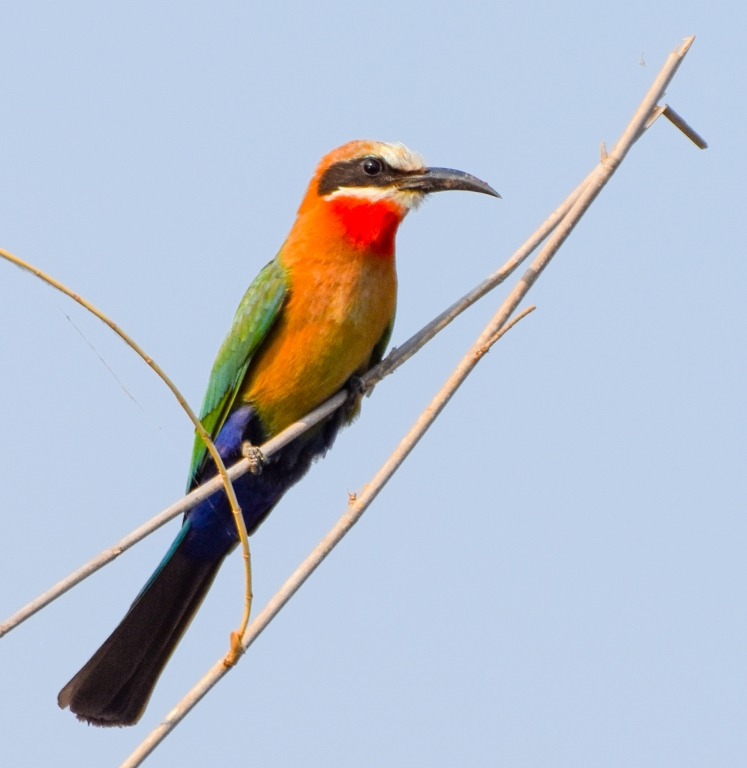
[369,186]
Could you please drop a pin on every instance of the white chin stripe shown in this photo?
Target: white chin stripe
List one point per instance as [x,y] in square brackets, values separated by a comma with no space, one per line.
[405,198]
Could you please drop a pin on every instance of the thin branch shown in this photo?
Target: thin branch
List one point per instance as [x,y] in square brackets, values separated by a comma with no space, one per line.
[396,357]
[688,130]
[354,512]
[489,335]
[223,474]
[391,363]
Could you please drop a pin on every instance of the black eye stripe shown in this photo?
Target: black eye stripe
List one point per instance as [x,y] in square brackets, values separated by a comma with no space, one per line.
[351,173]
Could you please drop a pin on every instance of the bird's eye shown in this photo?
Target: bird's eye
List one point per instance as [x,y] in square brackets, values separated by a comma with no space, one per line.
[372,166]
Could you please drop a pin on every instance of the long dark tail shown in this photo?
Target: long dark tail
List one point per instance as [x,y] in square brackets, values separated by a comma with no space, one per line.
[113,688]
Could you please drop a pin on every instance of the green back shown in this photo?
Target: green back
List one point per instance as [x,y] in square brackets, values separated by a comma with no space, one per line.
[255,316]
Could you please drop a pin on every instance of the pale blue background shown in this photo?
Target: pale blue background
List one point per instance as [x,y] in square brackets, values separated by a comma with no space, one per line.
[557,575]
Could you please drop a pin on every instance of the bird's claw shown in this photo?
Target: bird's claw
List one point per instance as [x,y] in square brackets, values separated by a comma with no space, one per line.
[356,386]
[254,456]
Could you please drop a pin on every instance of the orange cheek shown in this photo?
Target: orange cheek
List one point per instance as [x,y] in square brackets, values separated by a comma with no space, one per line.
[369,225]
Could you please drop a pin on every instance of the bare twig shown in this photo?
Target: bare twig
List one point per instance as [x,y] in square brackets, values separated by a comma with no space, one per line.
[223,474]
[395,358]
[490,334]
[690,132]
[485,348]
[390,364]
[350,517]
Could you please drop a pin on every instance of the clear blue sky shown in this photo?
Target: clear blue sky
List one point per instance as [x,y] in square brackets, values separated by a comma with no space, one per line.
[557,575]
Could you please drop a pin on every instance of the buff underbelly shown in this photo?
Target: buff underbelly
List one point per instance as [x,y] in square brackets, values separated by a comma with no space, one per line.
[314,349]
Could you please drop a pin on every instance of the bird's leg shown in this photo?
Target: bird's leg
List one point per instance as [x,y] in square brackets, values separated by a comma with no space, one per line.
[355,385]
[255,457]
[355,389]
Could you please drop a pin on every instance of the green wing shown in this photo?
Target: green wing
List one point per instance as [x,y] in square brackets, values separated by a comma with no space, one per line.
[255,316]
[377,355]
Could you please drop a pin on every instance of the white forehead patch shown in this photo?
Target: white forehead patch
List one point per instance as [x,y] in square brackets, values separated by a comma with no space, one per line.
[400,157]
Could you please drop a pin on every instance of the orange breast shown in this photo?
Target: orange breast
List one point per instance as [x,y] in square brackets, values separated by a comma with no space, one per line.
[341,300]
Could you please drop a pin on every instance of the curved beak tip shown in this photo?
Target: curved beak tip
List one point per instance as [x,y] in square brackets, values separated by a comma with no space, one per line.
[442,179]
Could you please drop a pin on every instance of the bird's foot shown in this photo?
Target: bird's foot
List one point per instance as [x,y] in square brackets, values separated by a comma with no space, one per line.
[356,386]
[255,457]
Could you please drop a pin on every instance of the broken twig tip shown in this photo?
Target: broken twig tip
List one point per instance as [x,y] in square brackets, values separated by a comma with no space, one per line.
[679,122]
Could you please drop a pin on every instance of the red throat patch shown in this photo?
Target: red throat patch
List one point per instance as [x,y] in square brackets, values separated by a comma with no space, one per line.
[369,224]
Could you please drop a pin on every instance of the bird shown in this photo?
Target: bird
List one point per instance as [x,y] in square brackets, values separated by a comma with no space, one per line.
[315,319]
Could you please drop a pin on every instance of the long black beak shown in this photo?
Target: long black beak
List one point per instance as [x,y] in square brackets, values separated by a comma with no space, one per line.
[440,179]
